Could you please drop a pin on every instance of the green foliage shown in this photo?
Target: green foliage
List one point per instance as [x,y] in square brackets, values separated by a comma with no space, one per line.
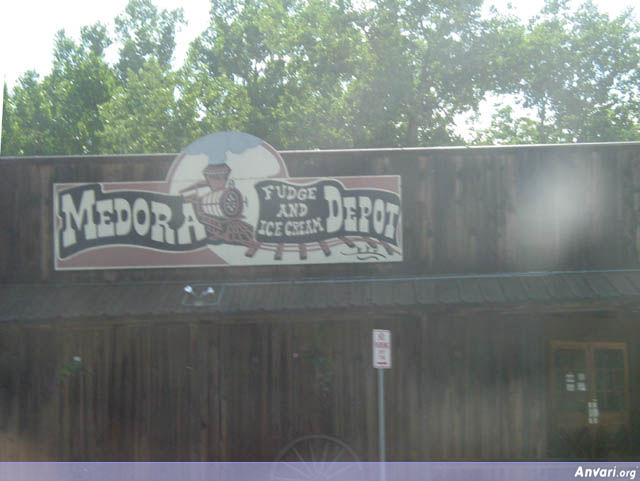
[26,128]
[507,129]
[7,124]
[72,369]
[323,50]
[146,34]
[328,74]
[80,81]
[59,115]
[578,75]
[290,60]
[210,104]
[140,117]
[425,62]
[314,356]
[332,74]
[142,114]
[83,102]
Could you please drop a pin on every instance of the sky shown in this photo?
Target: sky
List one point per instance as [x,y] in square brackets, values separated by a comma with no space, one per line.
[28,27]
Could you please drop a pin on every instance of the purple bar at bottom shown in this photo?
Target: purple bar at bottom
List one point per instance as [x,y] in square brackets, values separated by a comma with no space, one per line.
[316,471]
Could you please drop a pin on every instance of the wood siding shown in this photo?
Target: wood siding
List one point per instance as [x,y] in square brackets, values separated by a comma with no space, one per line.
[468,383]
[465,385]
[464,210]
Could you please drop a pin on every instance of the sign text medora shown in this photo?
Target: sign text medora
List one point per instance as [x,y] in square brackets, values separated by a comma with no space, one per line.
[94,218]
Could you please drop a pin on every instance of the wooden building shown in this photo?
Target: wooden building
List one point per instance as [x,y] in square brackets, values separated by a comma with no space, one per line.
[514,313]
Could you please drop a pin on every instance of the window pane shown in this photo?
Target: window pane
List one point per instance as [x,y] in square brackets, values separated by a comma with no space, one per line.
[571,380]
[616,401]
[604,381]
[578,382]
[611,401]
[609,358]
[618,380]
[571,358]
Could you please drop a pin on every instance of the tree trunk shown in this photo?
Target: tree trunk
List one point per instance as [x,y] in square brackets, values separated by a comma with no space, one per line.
[542,134]
[412,130]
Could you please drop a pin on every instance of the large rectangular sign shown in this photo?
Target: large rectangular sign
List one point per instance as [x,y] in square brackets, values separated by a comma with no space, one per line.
[227,201]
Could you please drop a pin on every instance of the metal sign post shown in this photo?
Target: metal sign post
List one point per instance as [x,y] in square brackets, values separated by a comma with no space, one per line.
[381,421]
[381,361]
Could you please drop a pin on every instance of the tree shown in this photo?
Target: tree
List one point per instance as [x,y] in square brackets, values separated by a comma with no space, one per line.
[425,62]
[208,104]
[331,74]
[80,81]
[7,123]
[599,95]
[145,34]
[507,128]
[67,112]
[291,59]
[324,48]
[579,78]
[26,129]
[59,115]
[140,116]
[143,112]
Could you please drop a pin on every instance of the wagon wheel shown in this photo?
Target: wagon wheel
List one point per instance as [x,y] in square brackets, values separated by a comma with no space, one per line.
[304,459]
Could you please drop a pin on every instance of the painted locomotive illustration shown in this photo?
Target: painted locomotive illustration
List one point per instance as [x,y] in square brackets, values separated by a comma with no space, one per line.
[242,197]
[219,205]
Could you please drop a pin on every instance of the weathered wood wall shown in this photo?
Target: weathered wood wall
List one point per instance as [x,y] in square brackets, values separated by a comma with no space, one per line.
[464,210]
[207,391]
[464,385]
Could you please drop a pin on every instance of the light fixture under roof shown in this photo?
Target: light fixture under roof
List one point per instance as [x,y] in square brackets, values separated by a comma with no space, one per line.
[201,295]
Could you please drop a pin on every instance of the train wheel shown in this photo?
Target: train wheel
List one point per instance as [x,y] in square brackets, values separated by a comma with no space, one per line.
[231,202]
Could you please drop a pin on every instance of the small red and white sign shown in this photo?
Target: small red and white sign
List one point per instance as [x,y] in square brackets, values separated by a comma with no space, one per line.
[381,349]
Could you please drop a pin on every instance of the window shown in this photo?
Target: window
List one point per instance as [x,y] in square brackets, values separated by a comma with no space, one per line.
[589,398]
